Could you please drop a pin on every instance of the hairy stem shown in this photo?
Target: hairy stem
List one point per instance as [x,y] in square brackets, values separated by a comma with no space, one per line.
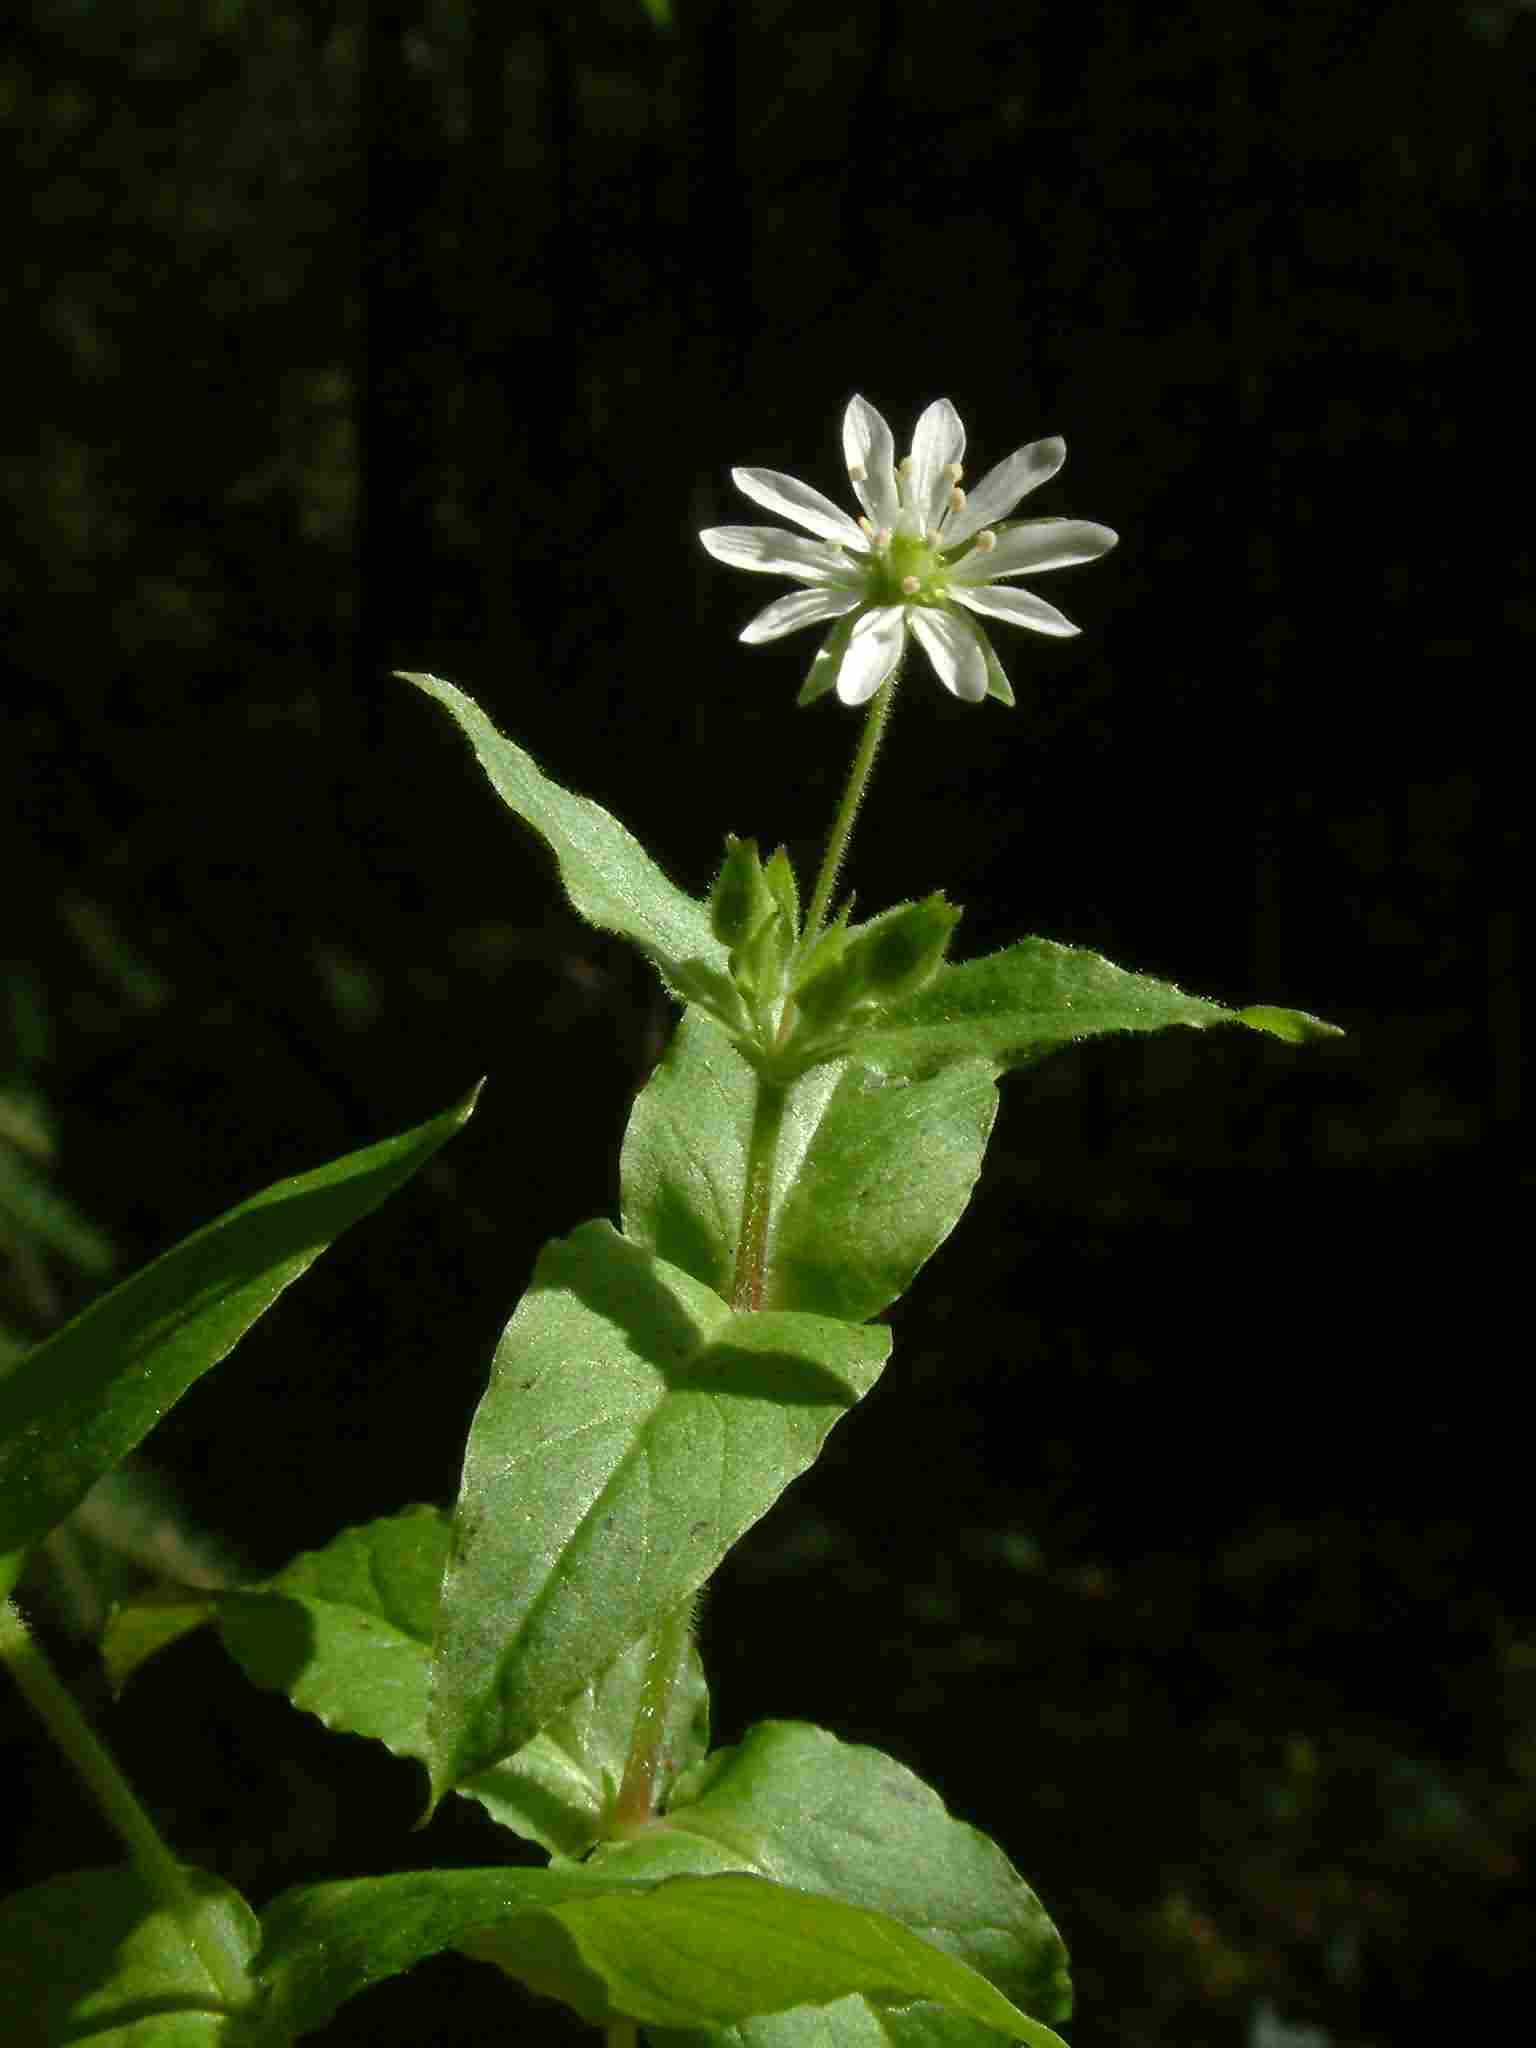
[152,1859]
[751,1277]
[853,795]
[636,1803]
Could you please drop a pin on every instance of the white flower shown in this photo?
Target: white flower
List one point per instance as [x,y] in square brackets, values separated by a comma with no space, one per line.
[924,560]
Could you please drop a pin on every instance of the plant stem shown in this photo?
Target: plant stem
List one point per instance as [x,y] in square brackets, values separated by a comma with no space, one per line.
[848,809]
[749,1284]
[620,2034]
[162,1875]
[636,1803]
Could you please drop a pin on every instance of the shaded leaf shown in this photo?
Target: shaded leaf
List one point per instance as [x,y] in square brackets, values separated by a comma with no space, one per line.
[346,1632]
[688,1952]
[710,1951]
[78,1403]
[93,1959]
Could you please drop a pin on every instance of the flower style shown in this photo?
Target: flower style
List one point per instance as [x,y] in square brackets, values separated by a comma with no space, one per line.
[925,558]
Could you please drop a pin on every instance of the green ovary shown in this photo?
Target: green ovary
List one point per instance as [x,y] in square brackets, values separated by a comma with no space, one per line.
[907,557]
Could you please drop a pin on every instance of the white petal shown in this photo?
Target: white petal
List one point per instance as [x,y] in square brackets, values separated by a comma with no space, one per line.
[869,445]
[1037,544]
[773,552]
[1001,488]
[1019,608]
[938,441]
[874,648]
[958,658]
[792,499]
[800,608]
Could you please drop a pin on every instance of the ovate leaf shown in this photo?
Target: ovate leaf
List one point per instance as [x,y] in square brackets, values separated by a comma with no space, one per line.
[93,1960]
[633,1429]
[710,1951]
[832,1816]
[78,1403]
[346,1632]
[323,1944]
[685,1953]
[873,1172]
[608,875]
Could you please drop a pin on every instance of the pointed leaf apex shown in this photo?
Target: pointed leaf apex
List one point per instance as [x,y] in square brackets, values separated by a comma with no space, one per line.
[1296,1027]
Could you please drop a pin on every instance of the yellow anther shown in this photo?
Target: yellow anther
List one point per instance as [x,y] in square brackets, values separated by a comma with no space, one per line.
[986,541]
[954,471]
[956,496]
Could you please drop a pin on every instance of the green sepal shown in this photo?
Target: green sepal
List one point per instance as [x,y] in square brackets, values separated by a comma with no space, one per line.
[998,685]
[828,661]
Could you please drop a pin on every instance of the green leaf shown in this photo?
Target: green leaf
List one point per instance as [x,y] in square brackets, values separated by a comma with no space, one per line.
[1014,1007]
[608,875]
[709,1951]
[687,1952]
[1294,1026]
[346,1632]
[93,1959]
[795,1802]
[323,1944]
[78,1403]
[142,1627]
[872,1174]
[849,2023]
[633,1429]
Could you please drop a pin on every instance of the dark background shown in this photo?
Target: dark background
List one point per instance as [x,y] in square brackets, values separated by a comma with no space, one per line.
[1180,1546]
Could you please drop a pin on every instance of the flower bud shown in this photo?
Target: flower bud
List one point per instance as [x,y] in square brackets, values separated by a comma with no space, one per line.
[899,952]
[893,956]
[758,963]
[740,899]
[780,877]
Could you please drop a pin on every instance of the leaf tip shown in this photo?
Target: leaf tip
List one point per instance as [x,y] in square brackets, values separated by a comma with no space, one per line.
[1296,1027]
